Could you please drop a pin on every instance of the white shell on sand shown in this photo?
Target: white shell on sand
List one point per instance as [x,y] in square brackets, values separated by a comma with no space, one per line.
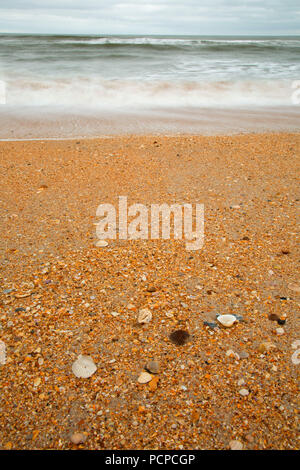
[296,344]
[2,353]
[296,357]
[102,243]
[226,320]
[144,316]
[144,378]
[84,367]
[235,445]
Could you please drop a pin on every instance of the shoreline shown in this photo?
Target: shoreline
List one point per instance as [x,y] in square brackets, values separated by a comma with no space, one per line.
[149,135]
[31,123]
[62,296]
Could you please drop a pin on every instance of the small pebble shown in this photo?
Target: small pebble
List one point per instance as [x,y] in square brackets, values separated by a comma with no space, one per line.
[153,367]
[78,438]
[151,289]
[244,392]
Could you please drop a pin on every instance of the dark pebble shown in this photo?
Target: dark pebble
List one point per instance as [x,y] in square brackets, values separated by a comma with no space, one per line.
[273,317]
[151,289]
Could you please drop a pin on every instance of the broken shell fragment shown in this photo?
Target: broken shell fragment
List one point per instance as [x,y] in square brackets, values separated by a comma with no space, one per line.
[226,320]
[144,378]
[144,316]
[84,367]
[2,353]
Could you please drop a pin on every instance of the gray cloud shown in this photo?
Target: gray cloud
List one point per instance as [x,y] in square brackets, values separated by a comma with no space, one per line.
[151,16]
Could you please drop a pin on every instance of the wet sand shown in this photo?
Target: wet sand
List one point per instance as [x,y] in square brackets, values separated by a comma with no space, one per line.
[33,123]
[61,296]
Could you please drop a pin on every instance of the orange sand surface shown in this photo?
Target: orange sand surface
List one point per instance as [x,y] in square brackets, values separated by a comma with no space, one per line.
[61,296]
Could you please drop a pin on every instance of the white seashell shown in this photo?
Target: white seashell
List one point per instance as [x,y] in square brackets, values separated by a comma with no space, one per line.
[2,353]
[231,353]
[144,378]
[236,445]
[226,320]
[84,367]
[296,344]
[144,316]
[115,314]
[296,357]
[102,243]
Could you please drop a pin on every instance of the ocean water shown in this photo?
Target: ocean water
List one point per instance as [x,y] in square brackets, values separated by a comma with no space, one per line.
[95,75]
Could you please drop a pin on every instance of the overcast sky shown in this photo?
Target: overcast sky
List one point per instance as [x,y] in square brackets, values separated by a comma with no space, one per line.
[273,17]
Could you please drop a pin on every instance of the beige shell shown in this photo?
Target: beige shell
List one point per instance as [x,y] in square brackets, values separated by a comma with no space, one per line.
[144,378]
[226,320]
[144,316]
[236,445]
[84,367]
[2,353]
[296,357]
[102,243]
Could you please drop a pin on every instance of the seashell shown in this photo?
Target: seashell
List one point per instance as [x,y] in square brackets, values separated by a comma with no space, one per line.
[22,296]
[115,314]
[144,378]
[144,316]
[235,445]
[102,243]
[2,353]
[84,367]
[296,344]
[296,357]
[226,320]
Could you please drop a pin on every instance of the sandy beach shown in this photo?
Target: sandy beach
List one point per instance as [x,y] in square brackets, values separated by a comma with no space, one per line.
[62,296]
